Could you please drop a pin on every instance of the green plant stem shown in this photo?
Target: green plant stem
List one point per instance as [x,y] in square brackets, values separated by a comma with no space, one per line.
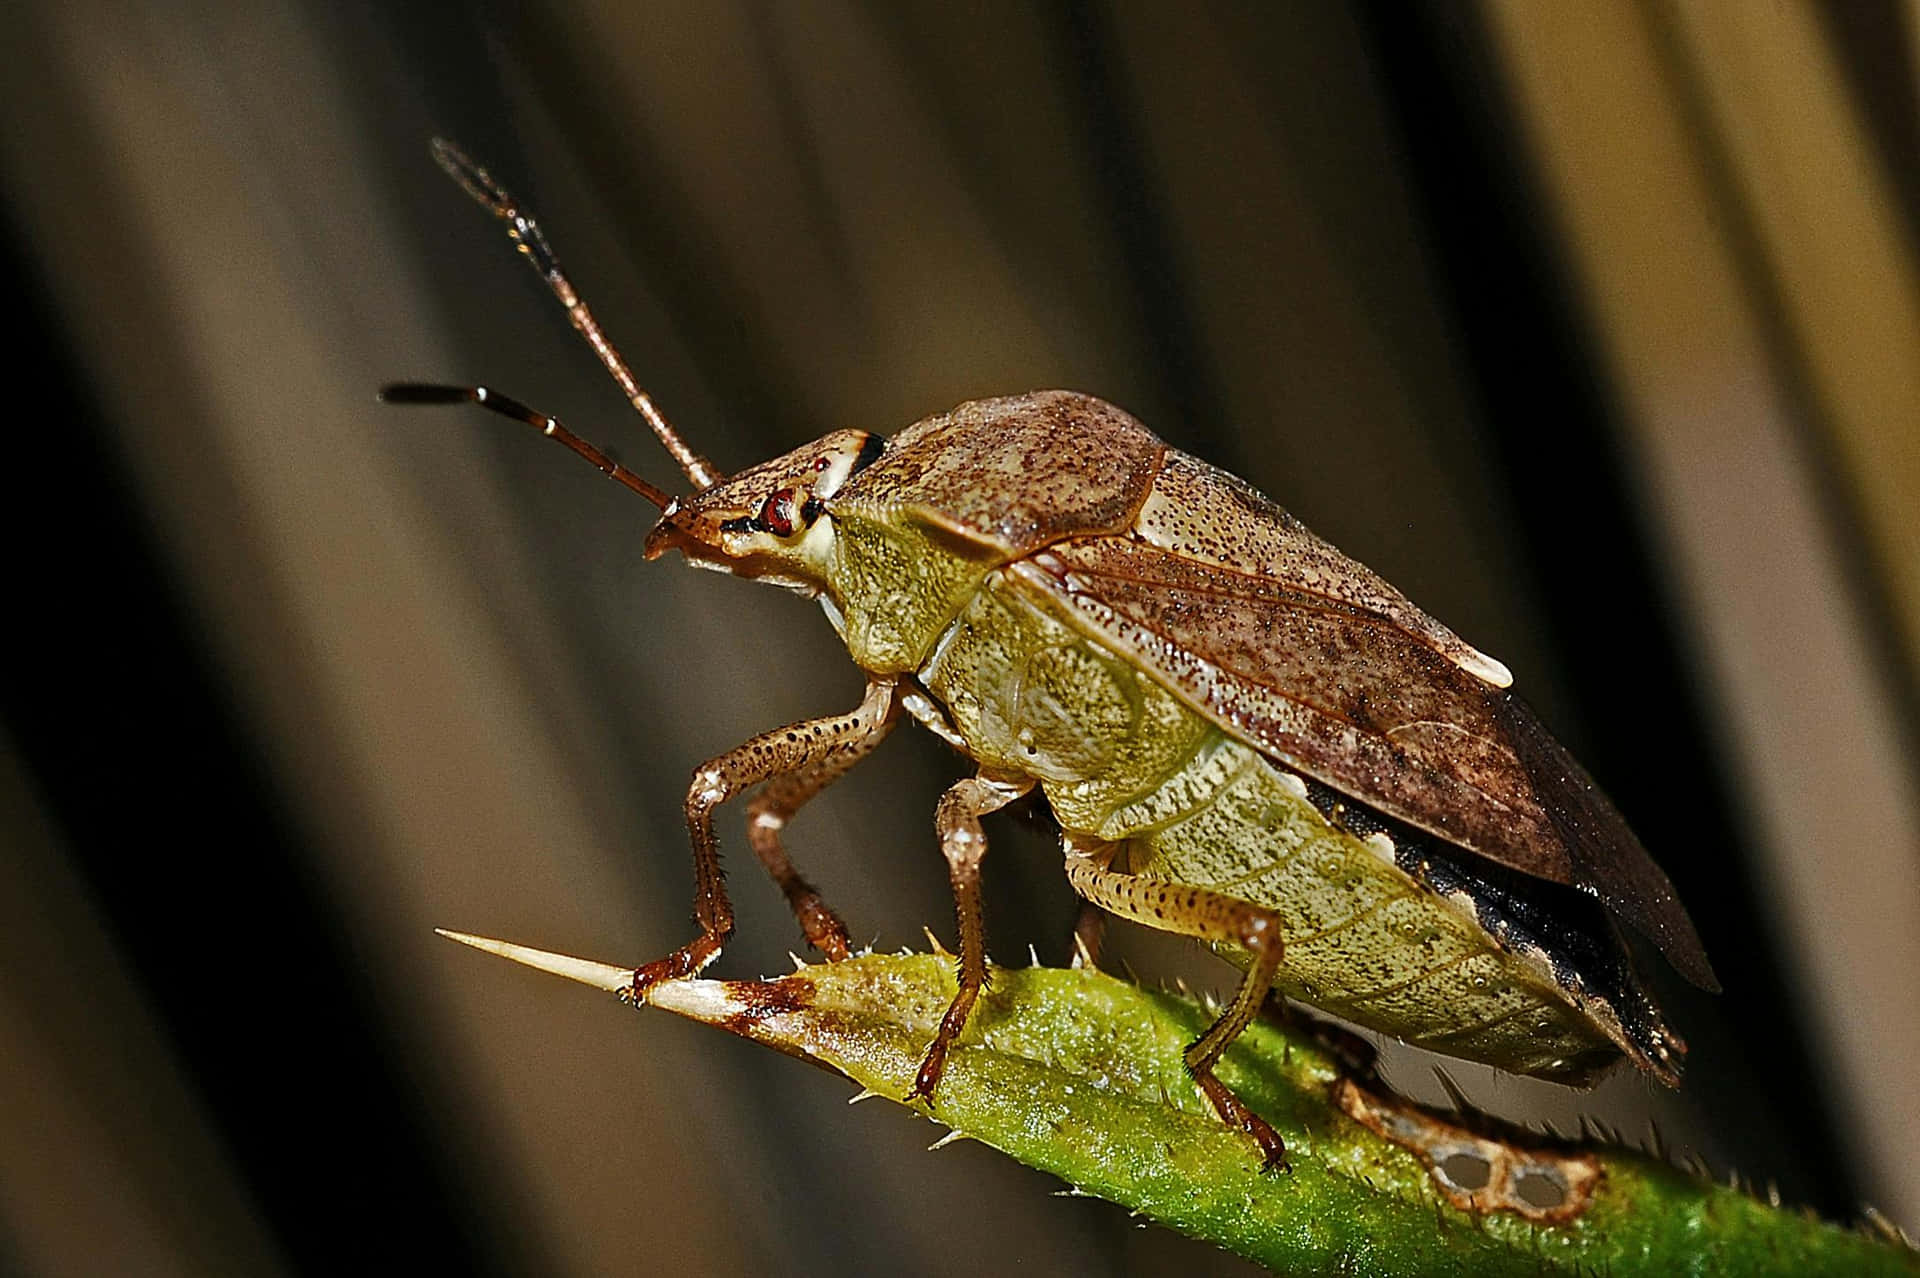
[1079,1074]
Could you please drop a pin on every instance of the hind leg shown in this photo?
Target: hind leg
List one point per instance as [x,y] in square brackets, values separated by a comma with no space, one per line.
[1211,916]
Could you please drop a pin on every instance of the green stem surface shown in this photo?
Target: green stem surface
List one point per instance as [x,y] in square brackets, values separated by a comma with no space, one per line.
[1079,1074]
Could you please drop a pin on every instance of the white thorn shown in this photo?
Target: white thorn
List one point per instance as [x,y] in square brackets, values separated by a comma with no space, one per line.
[1081,954]
[1033,955]
[603,976]
[948,1139]
[799,964]
[865,1093]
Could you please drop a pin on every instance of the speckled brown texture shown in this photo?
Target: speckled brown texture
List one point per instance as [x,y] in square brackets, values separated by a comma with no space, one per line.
[1342,693]
[1207,516]
[1014,474]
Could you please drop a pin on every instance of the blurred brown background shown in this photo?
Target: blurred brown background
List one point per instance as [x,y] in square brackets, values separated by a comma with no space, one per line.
[1596,328]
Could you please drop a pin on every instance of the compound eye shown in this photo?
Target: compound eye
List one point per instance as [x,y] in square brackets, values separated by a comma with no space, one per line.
[777,513]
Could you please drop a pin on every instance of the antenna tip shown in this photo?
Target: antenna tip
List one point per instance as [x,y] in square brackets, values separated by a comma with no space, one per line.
[473,178]
[421,393]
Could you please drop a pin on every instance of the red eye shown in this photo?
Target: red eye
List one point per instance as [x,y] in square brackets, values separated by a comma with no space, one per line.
[776,513]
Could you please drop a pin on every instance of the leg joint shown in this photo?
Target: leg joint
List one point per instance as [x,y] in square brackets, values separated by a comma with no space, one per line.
[1260,931]
[708,789]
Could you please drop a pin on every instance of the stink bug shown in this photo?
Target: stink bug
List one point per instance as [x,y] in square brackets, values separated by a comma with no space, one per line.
[1245,736]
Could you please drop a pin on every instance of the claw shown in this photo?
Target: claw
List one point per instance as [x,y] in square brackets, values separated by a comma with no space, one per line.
[932,1066]
[1234,1113]
[689,960]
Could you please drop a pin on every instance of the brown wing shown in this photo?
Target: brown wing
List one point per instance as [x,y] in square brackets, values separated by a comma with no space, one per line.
[1281,640]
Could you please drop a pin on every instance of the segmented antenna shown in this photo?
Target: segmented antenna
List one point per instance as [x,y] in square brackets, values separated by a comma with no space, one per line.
[526,236]
[506,406]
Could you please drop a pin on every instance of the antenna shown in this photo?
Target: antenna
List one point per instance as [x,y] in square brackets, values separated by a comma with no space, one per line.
[418,393]
[527,237]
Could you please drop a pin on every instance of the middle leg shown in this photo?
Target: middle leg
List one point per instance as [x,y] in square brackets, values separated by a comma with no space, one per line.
[965,845]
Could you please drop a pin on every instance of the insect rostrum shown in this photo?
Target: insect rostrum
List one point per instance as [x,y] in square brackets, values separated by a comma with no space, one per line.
[1246,737]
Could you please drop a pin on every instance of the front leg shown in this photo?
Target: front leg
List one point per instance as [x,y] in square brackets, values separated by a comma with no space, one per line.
[798,747]
[958,821]
[769,811]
